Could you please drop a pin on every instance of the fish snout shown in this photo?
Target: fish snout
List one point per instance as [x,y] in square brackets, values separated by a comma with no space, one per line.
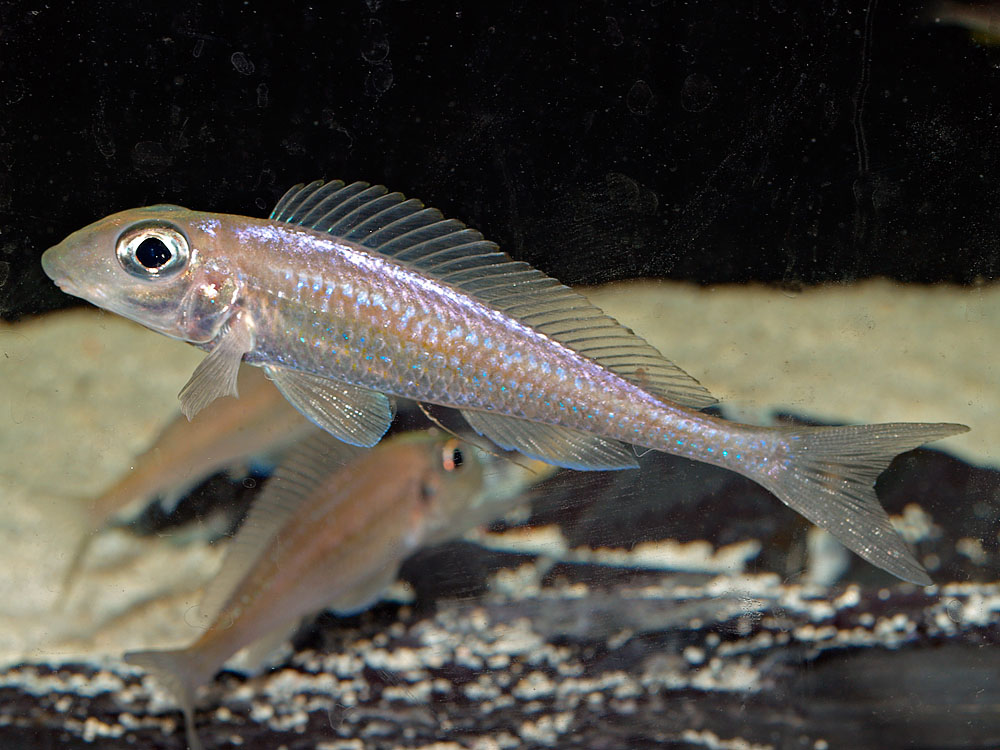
[52,264]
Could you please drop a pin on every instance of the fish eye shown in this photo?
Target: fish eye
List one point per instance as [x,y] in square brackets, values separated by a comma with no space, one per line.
[153,250]
[451,456]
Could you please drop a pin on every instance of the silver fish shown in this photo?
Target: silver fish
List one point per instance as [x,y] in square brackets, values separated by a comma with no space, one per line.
[330,529]
[349,294]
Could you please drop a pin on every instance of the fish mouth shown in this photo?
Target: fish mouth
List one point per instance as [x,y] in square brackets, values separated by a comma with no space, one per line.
[55,270]
[72,288]
[68,286]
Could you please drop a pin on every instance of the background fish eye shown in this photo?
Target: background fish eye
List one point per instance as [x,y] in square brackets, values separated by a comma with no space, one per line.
[452,457]
[153,251]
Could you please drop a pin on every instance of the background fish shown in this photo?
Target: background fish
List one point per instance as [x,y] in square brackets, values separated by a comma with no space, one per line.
[982,20]
[228,432]
[349,294]
[329,530]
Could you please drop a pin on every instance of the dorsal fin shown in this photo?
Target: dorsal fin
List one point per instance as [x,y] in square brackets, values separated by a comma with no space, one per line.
[449,251]
[310,463]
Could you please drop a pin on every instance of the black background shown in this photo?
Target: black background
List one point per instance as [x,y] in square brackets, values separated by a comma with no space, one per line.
[714,141]
[720,141]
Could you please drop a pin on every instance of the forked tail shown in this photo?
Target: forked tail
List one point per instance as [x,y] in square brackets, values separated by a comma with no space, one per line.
[178,671]
[828,476]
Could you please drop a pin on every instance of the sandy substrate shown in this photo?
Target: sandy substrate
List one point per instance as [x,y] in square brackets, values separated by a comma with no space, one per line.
[84,391]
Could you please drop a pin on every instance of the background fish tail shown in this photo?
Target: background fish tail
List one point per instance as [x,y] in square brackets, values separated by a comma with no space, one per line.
[829,478]
[181,672]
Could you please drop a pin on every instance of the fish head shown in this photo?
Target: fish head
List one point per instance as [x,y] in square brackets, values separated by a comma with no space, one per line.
[452,475]
[158,266]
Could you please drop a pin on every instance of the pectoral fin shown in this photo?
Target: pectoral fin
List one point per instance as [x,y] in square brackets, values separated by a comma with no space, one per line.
[215,376]
[355,415]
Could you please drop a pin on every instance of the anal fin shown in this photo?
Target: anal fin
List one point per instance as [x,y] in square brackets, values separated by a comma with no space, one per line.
[355,415]
[560,446]
[266,652]
[366,592]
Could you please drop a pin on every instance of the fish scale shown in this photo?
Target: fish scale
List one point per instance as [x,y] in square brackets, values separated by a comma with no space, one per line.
[518,374]
[359,333]
[349,295]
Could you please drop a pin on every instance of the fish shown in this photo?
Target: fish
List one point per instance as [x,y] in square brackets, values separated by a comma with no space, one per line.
[328,531]
[349,296]
[227,433]
[982,20]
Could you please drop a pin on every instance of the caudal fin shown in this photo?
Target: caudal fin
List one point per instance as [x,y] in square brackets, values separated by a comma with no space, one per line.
[829,476]
[178,672]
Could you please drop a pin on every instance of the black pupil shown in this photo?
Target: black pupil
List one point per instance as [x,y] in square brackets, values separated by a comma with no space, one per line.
[456,458]
[152,253]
